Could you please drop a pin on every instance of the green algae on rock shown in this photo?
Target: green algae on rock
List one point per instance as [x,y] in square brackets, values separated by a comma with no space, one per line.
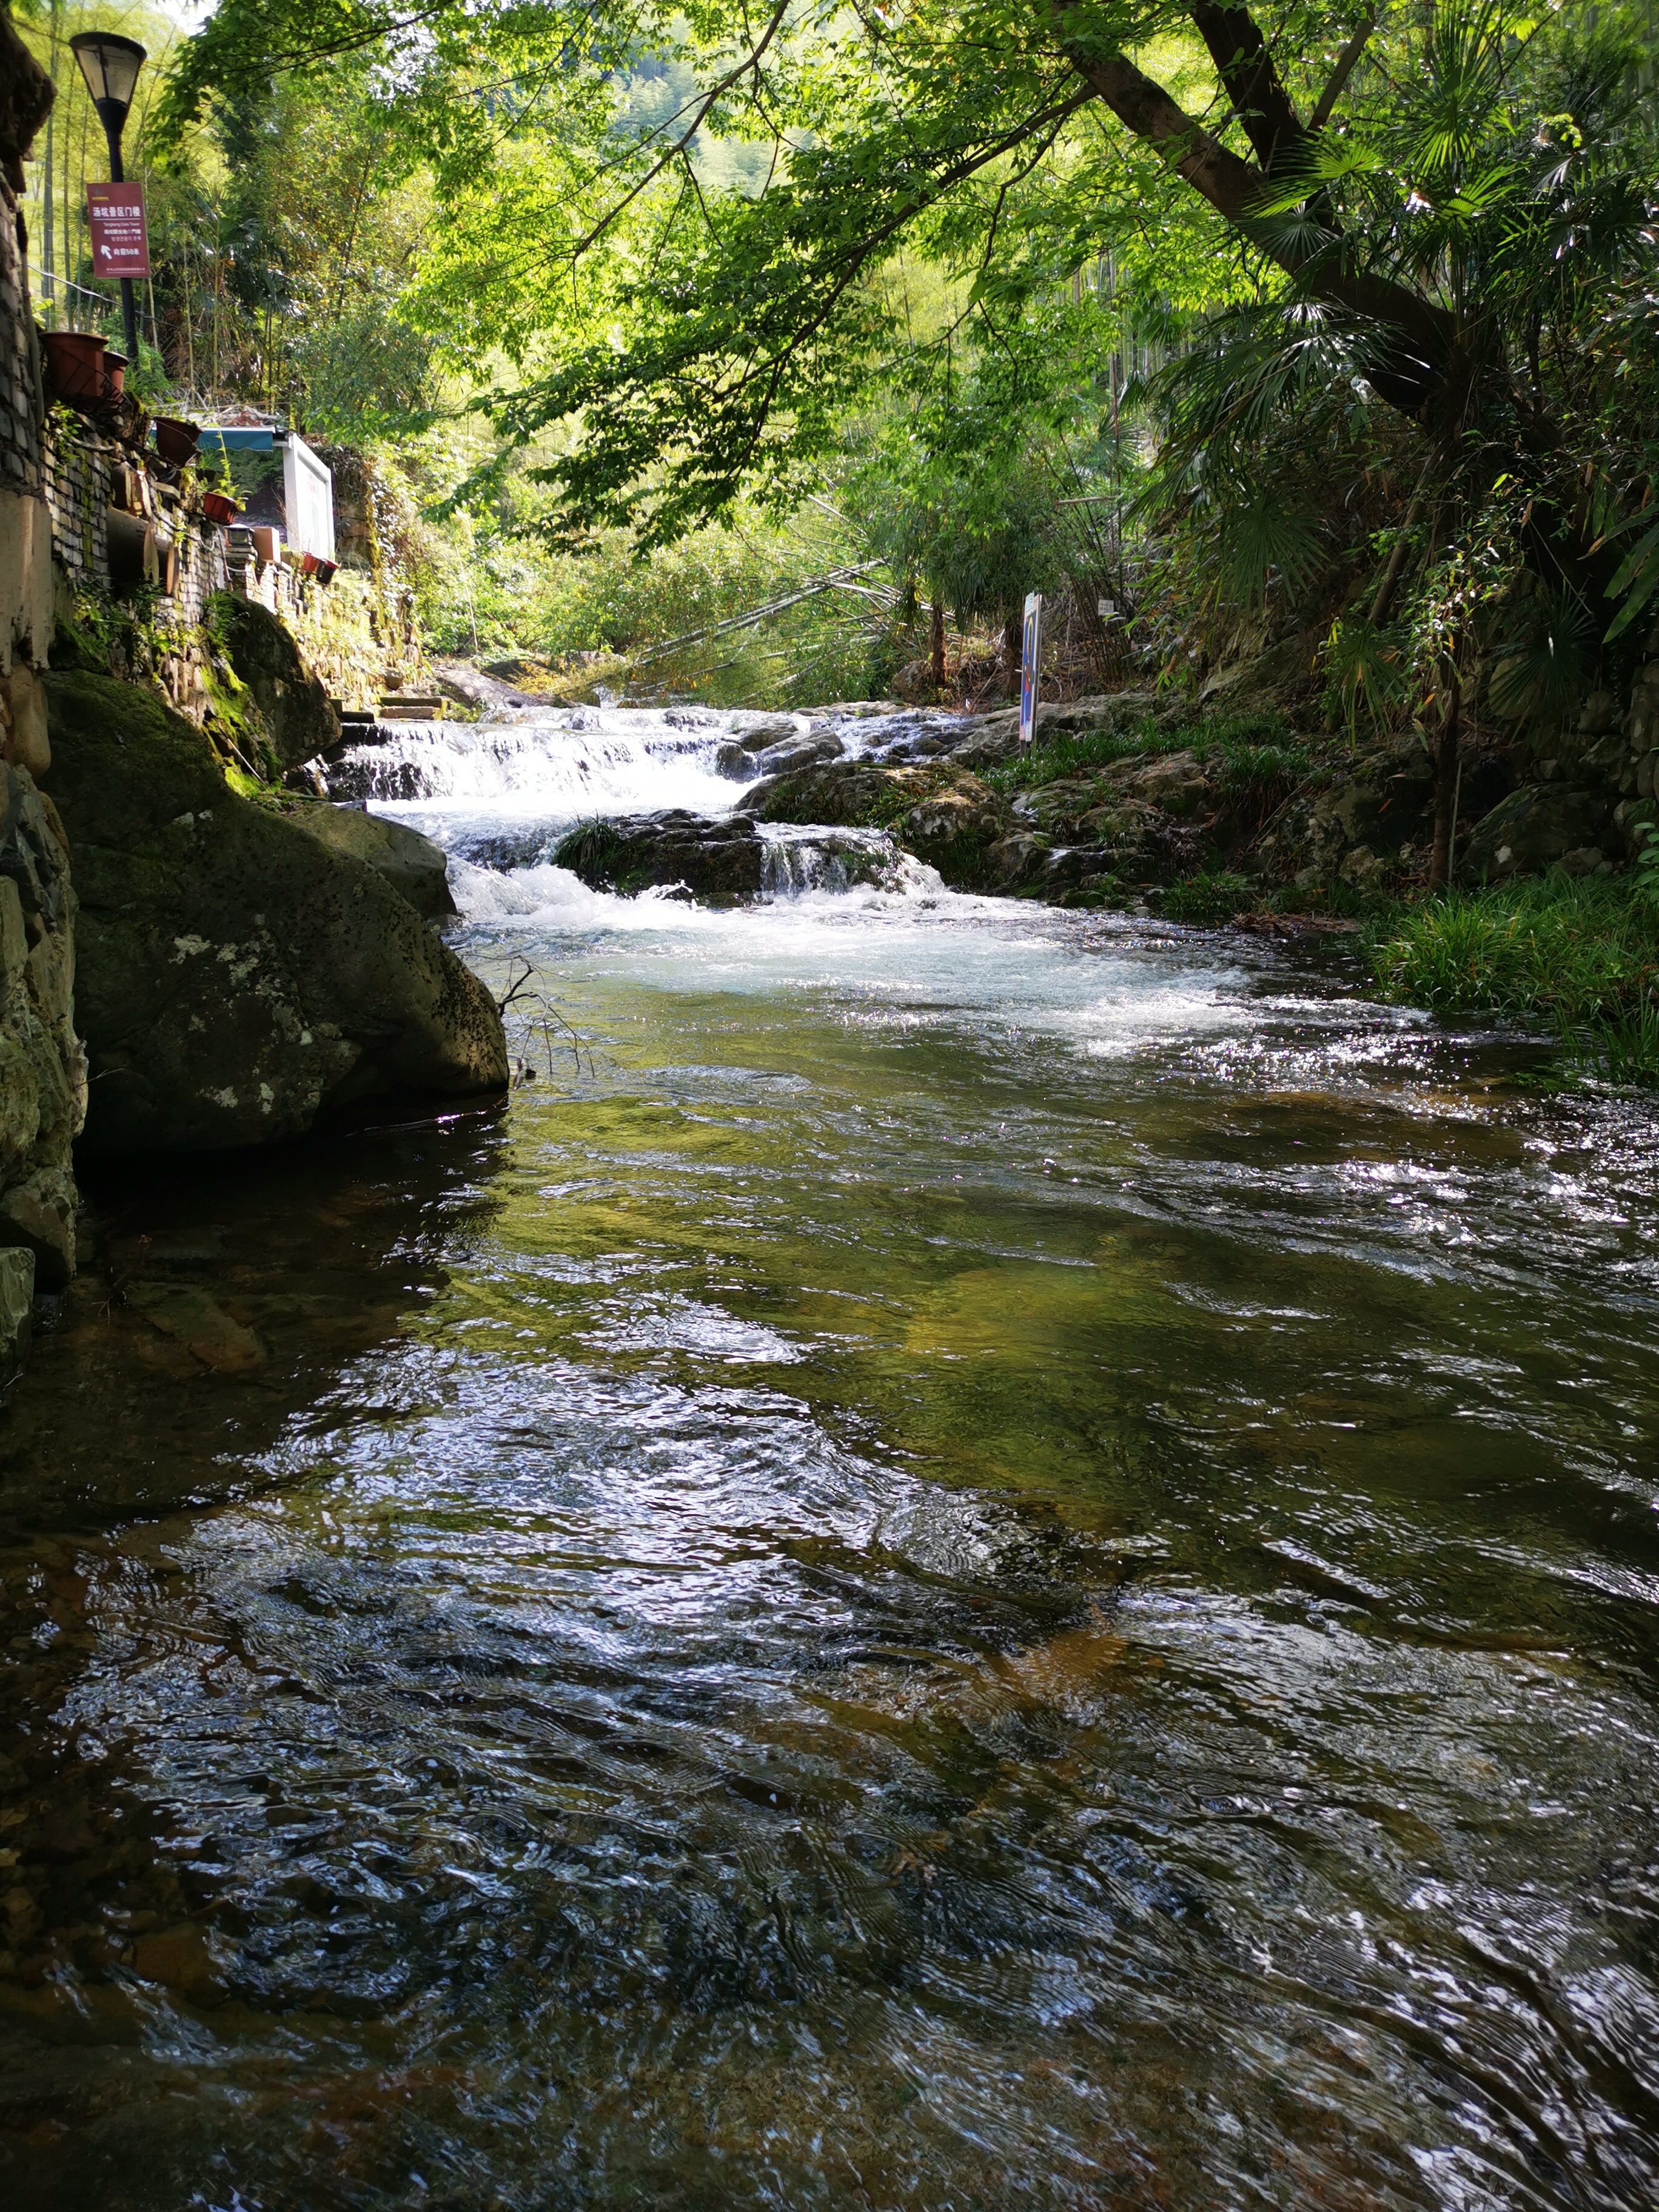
[238,979]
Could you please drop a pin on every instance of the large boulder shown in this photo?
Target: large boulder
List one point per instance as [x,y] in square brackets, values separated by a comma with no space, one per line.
[237,980]
[298,719]
[1538,826]
[411,863]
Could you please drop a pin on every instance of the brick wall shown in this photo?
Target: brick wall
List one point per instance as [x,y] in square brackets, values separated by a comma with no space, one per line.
[75,479]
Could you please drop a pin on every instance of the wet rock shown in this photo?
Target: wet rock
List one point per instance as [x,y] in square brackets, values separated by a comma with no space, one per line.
[755,734]
[845,794]
[941,813]
[43,1072]
[237,980]
[1536,826]
[37,1216]
[719,863]
[1020,857]
[180,1959]
[411,863]
[732,759]
[954,828]
[798,752]
[294,706]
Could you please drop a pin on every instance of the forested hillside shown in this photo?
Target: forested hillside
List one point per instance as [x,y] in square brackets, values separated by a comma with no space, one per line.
[1314,321]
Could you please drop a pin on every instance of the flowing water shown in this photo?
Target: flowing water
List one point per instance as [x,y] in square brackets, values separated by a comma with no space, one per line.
[974,1557]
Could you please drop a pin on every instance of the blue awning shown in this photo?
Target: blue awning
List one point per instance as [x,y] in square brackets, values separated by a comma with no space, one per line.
[235,438]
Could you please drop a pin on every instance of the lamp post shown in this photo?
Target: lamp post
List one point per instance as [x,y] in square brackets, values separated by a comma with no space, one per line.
[110,65]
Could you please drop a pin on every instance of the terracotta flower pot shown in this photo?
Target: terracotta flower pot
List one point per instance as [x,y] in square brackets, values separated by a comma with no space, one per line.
[75,368]
[326,571]
[218,507]
[115,374]
[175,442]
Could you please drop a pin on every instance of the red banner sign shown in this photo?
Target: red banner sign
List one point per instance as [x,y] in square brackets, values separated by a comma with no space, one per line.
[115,216]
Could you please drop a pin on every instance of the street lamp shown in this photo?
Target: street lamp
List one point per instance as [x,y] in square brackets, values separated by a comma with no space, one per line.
[110,65]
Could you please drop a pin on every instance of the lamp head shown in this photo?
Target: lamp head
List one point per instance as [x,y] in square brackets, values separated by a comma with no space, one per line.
[110,65]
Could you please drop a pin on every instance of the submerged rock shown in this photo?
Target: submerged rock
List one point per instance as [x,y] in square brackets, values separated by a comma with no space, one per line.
[411,863]
[238,979]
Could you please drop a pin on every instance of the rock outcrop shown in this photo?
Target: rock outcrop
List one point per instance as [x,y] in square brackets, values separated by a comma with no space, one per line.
[238,979]
[411,863]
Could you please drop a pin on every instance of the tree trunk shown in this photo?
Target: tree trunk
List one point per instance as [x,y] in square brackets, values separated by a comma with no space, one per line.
[1420,336]
[1445,783]
[936,644]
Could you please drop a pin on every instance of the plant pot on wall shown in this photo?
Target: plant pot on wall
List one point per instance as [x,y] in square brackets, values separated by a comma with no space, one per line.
[268,544]
[175,440]
[218,506]
[115,374]
[75,367]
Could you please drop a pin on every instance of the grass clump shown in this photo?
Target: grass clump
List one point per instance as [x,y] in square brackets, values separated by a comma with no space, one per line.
[590,850]
[1582,953]
[1209,898]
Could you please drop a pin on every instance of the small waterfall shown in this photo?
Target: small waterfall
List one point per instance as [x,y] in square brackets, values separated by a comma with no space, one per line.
[560,765]
[798,863]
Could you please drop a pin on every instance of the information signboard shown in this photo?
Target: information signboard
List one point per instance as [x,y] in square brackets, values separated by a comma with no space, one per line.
[115,218]
[1031,661]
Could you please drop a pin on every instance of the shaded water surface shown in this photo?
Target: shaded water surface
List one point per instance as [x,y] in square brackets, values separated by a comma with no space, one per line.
[995,1558]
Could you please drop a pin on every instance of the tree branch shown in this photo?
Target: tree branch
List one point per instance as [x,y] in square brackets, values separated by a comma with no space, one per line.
[1344,69]
[1249,78]
[1423,332]
[749,61]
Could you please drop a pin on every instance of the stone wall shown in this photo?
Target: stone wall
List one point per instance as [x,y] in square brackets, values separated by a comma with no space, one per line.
[43,1070]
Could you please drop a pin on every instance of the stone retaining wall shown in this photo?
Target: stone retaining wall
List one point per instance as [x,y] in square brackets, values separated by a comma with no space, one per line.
[43,1068]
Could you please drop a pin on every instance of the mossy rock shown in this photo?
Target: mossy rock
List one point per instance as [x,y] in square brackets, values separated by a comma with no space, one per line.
[297,719]
[237,980]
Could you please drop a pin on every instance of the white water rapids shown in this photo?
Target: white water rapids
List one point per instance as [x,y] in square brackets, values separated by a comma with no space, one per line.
[500,795]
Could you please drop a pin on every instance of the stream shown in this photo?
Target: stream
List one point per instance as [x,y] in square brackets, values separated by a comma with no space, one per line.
[974,1557]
